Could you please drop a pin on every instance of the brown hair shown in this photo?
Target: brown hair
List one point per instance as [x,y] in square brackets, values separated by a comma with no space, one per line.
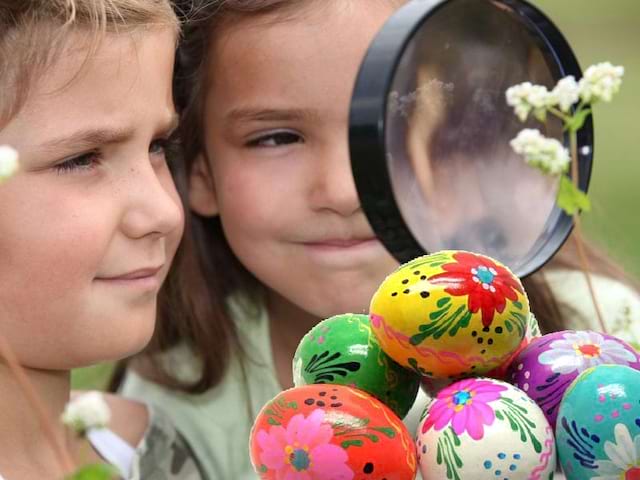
[33,33]
[205,273]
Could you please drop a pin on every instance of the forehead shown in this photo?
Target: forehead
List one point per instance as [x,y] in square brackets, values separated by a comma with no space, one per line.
[309,57]
[126,80]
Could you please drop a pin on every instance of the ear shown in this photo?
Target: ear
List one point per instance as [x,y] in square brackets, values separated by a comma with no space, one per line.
[202,192]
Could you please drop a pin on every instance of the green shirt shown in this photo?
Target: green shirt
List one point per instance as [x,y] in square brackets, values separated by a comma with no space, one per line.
[217,424]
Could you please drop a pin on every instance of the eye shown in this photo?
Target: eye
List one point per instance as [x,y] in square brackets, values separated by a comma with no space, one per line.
[275,139]
[85,162]
[164,147]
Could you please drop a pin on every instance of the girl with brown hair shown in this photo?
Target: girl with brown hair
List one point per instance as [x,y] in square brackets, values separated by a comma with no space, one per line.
[277,240]
[89,225]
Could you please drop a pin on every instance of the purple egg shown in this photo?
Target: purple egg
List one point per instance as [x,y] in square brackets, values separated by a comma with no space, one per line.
[550,363]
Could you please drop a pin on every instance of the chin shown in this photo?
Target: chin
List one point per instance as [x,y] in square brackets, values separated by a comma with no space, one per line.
[338,308]
[116,344]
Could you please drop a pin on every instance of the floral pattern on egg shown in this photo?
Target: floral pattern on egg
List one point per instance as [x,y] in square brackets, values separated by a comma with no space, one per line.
[550,363]
[484,425]
[330,432]
[450,314]
[598,428]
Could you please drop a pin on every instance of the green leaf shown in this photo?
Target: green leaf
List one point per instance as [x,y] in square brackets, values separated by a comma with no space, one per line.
[387,431]
[576,122]
[351,443]
[94,472]
[570,198]
[443,301]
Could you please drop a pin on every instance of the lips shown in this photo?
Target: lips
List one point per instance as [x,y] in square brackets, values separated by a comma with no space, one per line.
[344,243]
[341,243]
[134,274]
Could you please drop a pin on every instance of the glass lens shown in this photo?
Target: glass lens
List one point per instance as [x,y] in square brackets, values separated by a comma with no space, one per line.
[456,180]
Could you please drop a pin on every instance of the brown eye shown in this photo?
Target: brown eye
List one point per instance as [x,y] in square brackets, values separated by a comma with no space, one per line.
[276,139]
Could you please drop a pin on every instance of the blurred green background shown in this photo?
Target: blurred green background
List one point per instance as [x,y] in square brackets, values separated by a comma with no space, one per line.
[598,30]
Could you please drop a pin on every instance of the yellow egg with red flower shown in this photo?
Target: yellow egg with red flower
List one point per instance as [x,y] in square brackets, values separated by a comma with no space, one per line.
[450,314]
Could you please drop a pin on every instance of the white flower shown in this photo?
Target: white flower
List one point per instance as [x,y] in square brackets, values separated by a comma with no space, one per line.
[600,82]
[566,93]
[580,350]
[546,154]
[624,456]
[86,411]
[526,97]
[8,162]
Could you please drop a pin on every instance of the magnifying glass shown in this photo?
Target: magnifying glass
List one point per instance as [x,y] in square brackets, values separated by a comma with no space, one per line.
[430,131]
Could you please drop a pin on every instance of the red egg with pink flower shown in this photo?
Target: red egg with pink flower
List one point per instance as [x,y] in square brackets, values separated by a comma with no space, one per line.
[330,432]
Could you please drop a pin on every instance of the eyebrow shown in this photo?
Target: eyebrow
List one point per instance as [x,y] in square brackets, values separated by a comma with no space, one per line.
[238,115]
[102,136]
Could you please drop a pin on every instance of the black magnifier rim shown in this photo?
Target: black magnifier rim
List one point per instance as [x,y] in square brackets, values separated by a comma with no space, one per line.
[367,125]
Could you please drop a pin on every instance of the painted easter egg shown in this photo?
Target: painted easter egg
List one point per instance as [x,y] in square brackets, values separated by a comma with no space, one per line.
[330,432]
[484,428]
[450,314]
[343,350]
[598,429]
[550,363]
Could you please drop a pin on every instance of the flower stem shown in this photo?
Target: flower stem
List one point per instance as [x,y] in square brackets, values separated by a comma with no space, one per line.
[561,115]
[578,234]
[64,458]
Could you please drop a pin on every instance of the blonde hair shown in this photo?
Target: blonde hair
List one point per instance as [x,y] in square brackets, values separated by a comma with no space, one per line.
[33,33]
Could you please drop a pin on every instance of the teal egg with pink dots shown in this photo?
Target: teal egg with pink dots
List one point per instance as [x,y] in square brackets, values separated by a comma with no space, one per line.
[598,426]
[344,350]
[482,428]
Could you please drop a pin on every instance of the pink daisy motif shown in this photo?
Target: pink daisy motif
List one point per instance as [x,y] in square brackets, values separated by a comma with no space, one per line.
[302,451]
[464,405]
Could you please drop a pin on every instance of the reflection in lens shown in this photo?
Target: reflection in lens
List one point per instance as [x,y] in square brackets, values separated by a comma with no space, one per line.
[457,182]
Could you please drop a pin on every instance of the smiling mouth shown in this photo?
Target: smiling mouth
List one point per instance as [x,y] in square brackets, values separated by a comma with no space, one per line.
[342,243]
[133,276]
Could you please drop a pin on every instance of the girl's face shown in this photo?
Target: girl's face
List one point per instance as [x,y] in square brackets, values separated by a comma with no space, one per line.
[276,123]
[89,225]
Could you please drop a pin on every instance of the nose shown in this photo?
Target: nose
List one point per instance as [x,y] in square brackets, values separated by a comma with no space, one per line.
[153,207]
[333,187]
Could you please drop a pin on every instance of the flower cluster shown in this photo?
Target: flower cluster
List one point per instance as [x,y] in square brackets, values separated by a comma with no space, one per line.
[599,83]
[86,411]
[527,97]
[8,162]
[546,154]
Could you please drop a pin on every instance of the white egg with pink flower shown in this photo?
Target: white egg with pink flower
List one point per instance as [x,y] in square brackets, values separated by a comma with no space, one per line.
[484,428]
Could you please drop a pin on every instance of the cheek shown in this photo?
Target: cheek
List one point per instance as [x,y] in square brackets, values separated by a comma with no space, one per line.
[258,200]
[49,247]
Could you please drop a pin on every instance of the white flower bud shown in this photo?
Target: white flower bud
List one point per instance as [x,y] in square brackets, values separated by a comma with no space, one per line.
[566,93]
[600,82]
[8,162]
[546,154]
[526,97]
[86,411]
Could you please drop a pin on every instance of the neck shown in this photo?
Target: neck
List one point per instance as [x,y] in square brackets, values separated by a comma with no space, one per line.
[25,450]
[288,324]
